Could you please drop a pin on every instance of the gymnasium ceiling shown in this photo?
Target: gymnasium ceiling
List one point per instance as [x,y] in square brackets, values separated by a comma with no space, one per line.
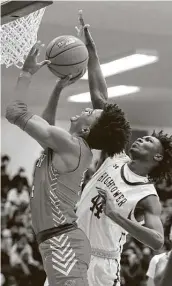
[119,28]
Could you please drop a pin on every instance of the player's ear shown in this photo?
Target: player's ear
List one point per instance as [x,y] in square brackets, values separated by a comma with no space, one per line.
[158,157]
[85,131]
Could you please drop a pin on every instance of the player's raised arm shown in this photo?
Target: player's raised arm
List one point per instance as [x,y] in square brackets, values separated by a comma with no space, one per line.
[53,137]
[97,83]
[49,113]
[30,67]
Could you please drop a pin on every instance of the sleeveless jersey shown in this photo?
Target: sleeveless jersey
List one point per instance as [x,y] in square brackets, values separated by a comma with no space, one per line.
[126,190]
[55,195]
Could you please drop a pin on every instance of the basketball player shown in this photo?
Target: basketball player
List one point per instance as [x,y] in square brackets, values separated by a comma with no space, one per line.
[65,249]
[158,262]
[120,187]
[163,275]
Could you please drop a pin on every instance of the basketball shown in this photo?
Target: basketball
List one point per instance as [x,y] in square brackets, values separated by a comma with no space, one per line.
[68,55]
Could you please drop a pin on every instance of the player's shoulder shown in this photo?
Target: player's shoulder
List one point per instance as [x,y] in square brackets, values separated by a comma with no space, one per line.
[148,186]
[151,203]
[61,141]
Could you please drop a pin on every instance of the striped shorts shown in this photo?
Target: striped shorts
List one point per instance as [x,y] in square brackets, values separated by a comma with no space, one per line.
[66,258]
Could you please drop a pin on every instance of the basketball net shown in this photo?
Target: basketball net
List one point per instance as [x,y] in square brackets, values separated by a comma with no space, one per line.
[17,38]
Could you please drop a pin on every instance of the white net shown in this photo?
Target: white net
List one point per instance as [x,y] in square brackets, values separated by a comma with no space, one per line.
[17,38]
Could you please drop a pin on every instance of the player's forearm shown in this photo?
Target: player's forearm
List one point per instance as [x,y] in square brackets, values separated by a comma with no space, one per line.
[166,276]
[97,83]
[147,236]
[49,113]
[23,82]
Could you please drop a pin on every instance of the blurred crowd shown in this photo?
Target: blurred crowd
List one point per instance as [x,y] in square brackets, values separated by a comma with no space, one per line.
[21,263]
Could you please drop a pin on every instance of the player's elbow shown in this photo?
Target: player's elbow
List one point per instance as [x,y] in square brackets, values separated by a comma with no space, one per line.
[158,243]
[48,139]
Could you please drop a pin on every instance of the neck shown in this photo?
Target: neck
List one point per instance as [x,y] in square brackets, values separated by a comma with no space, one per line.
[138,167]
[74,133]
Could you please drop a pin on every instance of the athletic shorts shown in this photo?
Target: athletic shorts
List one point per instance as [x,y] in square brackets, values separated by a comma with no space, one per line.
[66,258]
[104,272]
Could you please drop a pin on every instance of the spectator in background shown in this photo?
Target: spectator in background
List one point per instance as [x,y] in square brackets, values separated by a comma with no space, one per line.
[5,180]
[167,207]
[159,261]
[5,183]
[20,177]
[33,243]
[131,272]
[5,159]
[38,273]
[6,240]
[21,261]
[17,198]
[164,189]
[6,243]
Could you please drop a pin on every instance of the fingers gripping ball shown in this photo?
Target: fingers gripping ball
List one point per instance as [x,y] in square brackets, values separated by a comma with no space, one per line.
[68,56]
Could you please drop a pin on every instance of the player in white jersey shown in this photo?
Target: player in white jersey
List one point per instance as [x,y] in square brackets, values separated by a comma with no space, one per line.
[122,185]
[158,263]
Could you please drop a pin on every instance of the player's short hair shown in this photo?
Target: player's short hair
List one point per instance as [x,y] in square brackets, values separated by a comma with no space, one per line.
[111,132]
[164,168]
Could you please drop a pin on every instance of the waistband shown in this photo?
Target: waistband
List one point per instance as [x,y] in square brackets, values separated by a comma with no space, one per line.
[49,233]
[105,254]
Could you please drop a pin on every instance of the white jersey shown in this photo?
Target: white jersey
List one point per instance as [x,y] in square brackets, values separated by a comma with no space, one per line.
[153,263]
[126,189]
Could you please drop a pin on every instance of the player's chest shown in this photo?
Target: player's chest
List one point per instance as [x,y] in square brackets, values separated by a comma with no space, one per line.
[110,180]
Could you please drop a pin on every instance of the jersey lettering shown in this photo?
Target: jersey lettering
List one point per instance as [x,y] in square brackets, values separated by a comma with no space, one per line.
[116,166]
[97,205]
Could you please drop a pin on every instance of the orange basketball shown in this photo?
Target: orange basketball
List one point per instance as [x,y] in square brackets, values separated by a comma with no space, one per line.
[68,55]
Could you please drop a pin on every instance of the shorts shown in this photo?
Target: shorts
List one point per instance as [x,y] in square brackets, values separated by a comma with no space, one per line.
[104,272]
[66,258]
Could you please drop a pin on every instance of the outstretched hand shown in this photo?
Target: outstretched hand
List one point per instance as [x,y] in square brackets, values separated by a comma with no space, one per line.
[83,30]
[31,65]
[82,27]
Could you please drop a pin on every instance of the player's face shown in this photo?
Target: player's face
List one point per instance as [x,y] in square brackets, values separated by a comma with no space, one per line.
[85,120]
[147,147]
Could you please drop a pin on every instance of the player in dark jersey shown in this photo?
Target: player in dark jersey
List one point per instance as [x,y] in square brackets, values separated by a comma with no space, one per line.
[65,249]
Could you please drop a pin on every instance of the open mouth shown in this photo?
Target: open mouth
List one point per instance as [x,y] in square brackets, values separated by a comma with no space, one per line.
[135,144]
